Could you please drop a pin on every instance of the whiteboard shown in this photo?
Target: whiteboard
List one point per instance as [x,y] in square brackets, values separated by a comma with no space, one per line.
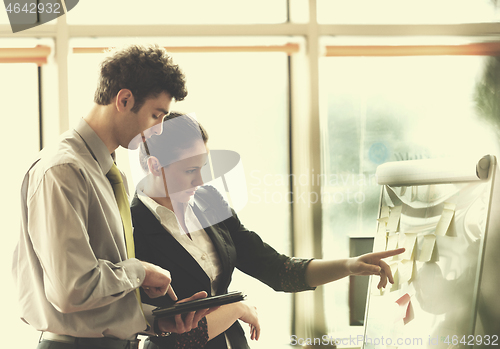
[442,216]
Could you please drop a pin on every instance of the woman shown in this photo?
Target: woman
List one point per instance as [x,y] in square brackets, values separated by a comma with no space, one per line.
[189,229]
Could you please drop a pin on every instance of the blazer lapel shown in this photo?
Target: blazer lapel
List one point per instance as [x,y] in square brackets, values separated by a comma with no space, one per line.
[205,215]
[166,247]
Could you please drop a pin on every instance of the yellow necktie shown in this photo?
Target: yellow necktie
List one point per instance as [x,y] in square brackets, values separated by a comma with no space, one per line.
[115,178]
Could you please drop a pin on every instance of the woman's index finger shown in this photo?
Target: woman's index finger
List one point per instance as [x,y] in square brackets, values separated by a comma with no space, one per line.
[390,253]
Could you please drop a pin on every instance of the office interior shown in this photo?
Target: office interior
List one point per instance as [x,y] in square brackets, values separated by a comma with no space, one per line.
[313,95]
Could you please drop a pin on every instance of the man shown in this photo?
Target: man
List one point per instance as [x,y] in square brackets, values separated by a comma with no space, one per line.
[75,280]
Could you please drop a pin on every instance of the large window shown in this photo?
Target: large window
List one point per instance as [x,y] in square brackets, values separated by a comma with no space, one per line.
[381,109]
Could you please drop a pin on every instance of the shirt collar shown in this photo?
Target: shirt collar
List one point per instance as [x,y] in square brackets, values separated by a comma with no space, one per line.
[140,192]
[152,205]
[95,145]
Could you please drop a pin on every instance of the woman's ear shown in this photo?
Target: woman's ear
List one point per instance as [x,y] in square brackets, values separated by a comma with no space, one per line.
[154,166]
[124,100]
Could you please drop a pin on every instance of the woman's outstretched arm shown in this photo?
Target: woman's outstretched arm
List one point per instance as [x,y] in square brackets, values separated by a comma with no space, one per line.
[320,272]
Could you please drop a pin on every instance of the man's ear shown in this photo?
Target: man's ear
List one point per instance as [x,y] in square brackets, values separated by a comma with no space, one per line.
[154,166]
[124,100]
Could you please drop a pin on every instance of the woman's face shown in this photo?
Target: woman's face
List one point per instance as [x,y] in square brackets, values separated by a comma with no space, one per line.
[183,177]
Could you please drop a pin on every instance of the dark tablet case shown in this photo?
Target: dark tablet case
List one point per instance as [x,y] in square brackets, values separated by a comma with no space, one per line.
[198,304]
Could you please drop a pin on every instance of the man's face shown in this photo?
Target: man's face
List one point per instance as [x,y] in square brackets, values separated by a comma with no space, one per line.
[147,121]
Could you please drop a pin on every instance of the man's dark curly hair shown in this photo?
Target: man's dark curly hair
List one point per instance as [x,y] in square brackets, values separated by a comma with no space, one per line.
[147,71]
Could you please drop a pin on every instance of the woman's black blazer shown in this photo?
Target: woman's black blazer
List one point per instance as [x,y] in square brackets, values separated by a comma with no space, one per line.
[235,245]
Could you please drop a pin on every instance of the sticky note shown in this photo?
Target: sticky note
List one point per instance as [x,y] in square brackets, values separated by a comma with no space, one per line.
[427,248]
[403,302]
[405,271]
[403,191]
[409,245]
[404,312]
[382,223]
[384,212]
[383,220]
[380,242]
[381,228]
[392,241]
[395,214]
[414,193]
[445,220]
[395,274]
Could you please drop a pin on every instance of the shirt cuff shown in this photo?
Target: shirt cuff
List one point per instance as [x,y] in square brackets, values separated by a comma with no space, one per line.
[135,271]
[292,275]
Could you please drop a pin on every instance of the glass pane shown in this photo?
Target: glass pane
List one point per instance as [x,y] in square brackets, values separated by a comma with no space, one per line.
[407,11]
[241,99]
[178,12]
[20,134]
[381,109]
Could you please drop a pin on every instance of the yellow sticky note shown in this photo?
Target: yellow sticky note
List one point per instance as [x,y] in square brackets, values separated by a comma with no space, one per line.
[392,225]
[403,191]
[384,212]
[381,228]
[380,242]
[427,248]
[445,220]
[383,220]
[395,274]
[414,193]
[409,245]
[405,271]
[392,241]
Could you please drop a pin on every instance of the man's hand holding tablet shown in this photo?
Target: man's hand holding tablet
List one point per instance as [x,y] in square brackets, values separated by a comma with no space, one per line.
[184,322]
[185,314]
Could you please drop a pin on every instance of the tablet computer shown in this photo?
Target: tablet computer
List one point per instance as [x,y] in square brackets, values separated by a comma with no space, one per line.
[198,304]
